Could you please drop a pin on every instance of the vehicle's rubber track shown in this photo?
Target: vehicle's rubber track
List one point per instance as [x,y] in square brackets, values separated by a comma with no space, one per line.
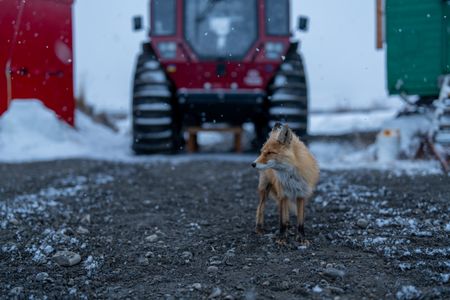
[154,119]
[288,95]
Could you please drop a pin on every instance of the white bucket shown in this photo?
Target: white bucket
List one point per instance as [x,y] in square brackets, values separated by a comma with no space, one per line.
[388,145]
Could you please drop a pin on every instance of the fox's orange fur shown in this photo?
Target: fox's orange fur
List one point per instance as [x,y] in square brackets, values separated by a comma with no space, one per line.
[289,174]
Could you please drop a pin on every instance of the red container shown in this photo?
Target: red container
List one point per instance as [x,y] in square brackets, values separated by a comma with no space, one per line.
[36,57]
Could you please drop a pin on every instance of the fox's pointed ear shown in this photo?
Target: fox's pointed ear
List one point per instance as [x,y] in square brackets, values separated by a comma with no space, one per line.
[277,126]
[285,135]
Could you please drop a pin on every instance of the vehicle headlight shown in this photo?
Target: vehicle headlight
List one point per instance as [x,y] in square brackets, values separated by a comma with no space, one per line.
[274,50]
[168,49]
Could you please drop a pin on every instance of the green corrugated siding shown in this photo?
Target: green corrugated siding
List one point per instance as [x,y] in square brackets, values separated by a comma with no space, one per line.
[418,40]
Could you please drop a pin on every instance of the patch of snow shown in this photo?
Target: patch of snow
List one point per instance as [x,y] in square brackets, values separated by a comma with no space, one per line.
[447,227]
[445,277]
[91,265]
[9,248]
[317,289]
[345,123]
[408,292]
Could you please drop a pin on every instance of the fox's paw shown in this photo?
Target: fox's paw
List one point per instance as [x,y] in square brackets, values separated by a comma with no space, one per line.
[259,229]
[302,240]
[281,241]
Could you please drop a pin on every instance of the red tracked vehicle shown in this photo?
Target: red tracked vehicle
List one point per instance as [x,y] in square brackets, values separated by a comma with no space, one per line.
[36,57]
[226,61]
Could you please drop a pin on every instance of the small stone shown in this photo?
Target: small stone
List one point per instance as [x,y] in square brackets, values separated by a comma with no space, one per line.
[212,269]
[362,223]
[14,221]
[149,254]
[336,290]
[86,219]
[197,286]
[17,291]
[285,285]
[82,230]
[266,283]
[187,255]
[48,249]
[66,258]
[334,273]
[216,292]
[152,238]
[143,261]
[42,276]
[229,297]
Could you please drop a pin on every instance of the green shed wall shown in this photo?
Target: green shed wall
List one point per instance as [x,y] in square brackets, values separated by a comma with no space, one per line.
[418,43]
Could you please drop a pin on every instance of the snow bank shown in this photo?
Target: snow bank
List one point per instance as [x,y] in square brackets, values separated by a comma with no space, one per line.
[30,131]
[343,123]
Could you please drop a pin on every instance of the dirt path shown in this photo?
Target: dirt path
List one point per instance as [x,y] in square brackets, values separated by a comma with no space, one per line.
[186,231]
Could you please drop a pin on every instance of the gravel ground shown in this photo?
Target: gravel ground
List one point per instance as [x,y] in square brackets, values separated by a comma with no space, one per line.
[186,231]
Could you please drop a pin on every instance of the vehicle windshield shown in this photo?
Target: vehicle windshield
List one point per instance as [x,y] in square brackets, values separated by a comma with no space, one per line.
[220,28]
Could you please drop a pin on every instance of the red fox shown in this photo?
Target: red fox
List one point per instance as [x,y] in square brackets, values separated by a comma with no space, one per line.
[288,172]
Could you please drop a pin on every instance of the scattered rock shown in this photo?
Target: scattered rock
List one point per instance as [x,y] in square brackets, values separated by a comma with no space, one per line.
[152,238]
[86,219]
[82,230]
[250,295]
[229,297]
[336,290]
[187,255]
[362,223]
[42,276]
[143,261]
[334,273]
[216,292]
[17,291]
[66,258]
[230,253]
[48,249]
[197,286]
[285,285]
[212,269]
[14,221]
[266,283]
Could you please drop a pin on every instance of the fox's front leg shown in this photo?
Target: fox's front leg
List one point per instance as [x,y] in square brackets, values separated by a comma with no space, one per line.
[301,221]
[263,194]
[284,220]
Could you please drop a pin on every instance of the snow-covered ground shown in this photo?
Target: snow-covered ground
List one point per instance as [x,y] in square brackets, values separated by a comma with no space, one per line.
[348,122]
[31,132]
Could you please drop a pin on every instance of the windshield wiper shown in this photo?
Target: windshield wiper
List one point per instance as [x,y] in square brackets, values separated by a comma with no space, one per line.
[209,6]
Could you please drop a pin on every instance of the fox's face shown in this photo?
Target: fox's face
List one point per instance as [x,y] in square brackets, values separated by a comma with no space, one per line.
[276,152]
